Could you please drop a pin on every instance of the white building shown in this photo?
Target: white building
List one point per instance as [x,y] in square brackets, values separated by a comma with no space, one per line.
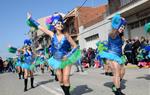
[136,12]
[89,36]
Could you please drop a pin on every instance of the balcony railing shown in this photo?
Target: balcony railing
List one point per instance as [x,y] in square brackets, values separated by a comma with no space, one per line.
[126,2]
[115,5]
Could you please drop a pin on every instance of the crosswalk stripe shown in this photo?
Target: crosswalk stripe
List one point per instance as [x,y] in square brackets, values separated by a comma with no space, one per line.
[50,90]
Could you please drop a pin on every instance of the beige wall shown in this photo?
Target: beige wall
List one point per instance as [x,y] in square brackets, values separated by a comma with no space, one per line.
[102,28]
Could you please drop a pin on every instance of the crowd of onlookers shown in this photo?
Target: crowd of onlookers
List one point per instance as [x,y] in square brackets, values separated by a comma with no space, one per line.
[1,64]
[136,52]
[6,65]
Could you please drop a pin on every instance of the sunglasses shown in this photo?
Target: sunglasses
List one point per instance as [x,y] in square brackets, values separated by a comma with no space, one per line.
[59,23]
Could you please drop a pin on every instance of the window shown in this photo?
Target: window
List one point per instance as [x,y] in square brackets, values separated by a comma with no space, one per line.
[71,26]
[131,26]
[148,19]
[139,23]
[134,25]
[91,38]
[142,22]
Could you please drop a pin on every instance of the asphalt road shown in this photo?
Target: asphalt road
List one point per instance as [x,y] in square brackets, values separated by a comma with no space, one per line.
[90,82]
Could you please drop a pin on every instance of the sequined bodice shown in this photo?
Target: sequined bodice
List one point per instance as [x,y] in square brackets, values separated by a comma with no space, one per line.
[59,48]
[115,45]
[28,57]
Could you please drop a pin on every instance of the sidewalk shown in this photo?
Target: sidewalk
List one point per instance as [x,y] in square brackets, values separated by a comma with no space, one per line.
[134,66]
[131,66]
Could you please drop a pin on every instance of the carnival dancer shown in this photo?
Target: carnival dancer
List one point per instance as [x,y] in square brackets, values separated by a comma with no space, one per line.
[114,54]
[48,55]
[147,48]
[41,59]
[28,60]
[62,55]
[19,64]
[102,46]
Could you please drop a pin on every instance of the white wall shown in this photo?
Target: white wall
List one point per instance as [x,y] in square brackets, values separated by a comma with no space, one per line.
[102,28]
[138,32]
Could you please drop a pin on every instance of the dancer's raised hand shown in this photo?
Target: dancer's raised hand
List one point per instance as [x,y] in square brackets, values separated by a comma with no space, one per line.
[28,15]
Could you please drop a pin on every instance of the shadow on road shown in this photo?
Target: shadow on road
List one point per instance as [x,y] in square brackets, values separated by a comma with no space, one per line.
[109,84]
[81,89]
[102,73]
[147,77]
[44,82]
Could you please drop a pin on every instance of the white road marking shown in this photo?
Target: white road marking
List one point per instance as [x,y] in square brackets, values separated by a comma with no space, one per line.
[50,89]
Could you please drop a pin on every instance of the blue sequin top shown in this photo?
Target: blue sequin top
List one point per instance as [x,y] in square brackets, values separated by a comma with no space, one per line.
[20,57]
[115,45]
[28,58]
[59,49]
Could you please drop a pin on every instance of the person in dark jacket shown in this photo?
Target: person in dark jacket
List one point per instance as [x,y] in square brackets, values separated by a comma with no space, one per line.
[128,51]
[1,65]
[135,47]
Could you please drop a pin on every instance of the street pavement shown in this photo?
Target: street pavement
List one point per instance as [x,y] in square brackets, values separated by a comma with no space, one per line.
[91,82]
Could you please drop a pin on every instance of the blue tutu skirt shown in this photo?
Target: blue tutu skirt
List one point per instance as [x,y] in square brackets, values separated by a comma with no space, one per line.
[26,66]
[54,63]
[61,64]
[112,56]
[18,64]
[149,55]
[42,62]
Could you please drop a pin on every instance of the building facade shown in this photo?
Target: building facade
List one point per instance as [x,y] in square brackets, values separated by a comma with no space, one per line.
[136,12]
[76,18]
[91,35]
[87,25]
[39,39]
[81,18]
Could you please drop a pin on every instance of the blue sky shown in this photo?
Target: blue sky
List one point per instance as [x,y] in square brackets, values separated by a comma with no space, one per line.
[13,17]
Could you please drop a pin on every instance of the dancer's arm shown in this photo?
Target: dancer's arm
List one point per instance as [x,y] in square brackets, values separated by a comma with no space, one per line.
[36,24]
[123,37]
[71,41]
[73,44]
[29,52]
[113,33]
[50,33]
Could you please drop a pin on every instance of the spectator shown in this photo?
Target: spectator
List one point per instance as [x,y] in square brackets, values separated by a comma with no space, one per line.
[5,65]
[92,57]
[1,65]
[143,42]
[78,65]
[135,47]
[128,51]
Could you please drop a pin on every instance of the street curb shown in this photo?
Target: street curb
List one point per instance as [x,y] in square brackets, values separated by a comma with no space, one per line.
[135,67]
[132,67]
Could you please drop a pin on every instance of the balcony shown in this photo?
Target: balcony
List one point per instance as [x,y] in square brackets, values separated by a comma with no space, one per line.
[126,2]
[130,8]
